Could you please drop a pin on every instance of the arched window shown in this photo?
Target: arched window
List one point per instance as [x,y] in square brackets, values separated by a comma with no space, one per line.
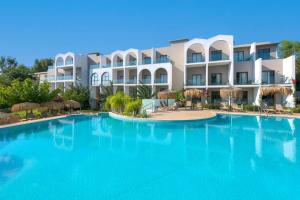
[59,61]
[69,60]
[95,79]
[105,78]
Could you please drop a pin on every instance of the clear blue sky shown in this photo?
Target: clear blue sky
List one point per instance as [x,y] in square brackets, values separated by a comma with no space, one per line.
[41,28]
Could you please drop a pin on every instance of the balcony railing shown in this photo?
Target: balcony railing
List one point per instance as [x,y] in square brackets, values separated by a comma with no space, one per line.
[50,67]
[94,66]
[59,64]
[219,83]
[131,63]
[221,56]
[195,59]
[118,81]
[163,60]
[48,78]
[146,61]
[118,64]
[63,78]
[161,80]
[106,65]
[244,82]
[195,83]
[105,82]
[146,81]
[131,81]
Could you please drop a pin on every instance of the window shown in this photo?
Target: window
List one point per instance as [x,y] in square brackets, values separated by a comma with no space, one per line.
[239,56]
[216,55]
[268,99]
[94,79]
[216,78]
[196,79]
[60,61]
[146,78]
[268,77]
[147,60]
[105,78]
[243,99]
[196,57]
[215,97]
[163,78]
[162,59]
[242,77]
[264,53]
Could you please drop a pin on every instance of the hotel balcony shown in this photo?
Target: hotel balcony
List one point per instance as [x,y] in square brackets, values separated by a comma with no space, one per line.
[217,83]
[146,61]
[218,56]
[106,65]
[244,82]
[132,63]
[131,81]
[48,78]
[118,81]
[64,78]
[195,83]
[195,59]
[118,64]
[145,81]
[94,66]
[161,80]
[163,59]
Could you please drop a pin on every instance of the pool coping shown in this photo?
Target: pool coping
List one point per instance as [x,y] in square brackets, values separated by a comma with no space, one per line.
[257,114]
[136,119]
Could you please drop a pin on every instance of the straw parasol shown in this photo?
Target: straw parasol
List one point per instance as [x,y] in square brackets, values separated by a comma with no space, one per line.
[166,94]
[53,105]
[72,104]
[24,106]
[276,89]
[231,92]
[194,93]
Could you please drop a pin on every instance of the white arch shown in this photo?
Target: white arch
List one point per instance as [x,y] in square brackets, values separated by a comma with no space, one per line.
[59,61]
[142,79]
[94,79]
[132,52]
[69,60]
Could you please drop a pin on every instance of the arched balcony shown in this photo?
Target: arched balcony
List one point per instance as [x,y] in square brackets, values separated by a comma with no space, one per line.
[219,50]
[59,61]
[94,79]
[161,76]
[105,79]
[131,59]
[145,76]
[69,60]
[117,60]
[195,53]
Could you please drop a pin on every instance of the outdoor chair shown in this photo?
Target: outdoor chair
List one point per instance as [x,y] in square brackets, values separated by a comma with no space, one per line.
[280,109]
[235,107]
[223,106]
[188,104]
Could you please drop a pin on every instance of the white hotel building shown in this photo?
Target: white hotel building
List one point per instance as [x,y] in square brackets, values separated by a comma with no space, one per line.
[208,64]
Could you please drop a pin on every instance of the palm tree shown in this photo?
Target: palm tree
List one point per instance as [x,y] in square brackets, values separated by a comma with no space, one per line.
[144,91]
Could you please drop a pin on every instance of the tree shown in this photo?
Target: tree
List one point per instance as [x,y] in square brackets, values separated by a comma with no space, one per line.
[26,91]
[41,65]
[288,48]
[20,72]
[119,101]
[7,63]
[144,92]
[78,93]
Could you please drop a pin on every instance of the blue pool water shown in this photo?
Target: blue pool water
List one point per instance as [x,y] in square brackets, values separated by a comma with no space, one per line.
[97,157]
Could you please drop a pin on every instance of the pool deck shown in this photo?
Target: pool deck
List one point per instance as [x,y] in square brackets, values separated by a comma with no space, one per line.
[178,115]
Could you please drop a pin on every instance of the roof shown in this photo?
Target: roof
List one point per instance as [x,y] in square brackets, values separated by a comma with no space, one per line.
[257,44]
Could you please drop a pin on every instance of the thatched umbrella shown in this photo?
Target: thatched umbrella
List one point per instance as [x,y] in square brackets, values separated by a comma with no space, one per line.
[53,105]
[194,93]
[24,106]
[6,118]
[72,104]
[230,93]
[276,89]
[166,94]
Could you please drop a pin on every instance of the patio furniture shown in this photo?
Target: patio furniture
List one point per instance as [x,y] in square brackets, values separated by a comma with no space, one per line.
[199,105]
[235,107]
[223,106]
[188,104]
[280,109]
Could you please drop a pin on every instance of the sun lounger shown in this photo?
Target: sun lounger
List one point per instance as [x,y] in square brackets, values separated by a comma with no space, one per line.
[280,109]
[224,106]
[235,107]
[199,105]
[188,104]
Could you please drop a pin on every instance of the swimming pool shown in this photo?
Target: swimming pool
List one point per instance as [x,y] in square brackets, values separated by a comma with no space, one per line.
[98,157]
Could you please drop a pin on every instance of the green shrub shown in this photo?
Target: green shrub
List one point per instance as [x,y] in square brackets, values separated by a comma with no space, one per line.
[250,107]
[211,106]
[296,109]
[133,107]
[118,101]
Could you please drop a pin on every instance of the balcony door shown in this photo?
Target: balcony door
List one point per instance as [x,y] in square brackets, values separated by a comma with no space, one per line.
[216,78]
[242,77]
[196,79]
[268,77]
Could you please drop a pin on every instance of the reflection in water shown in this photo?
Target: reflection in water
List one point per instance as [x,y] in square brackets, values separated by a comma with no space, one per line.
[10,165]
[228,151]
